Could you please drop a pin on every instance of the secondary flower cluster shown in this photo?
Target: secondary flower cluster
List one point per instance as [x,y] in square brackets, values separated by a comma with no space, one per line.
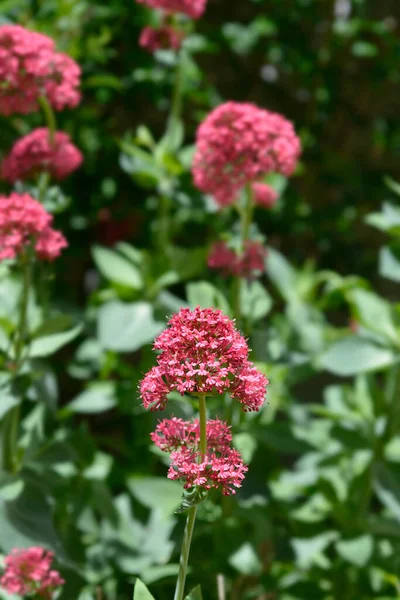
[36,152]
[160,38]
[191,8]
[31,67]
[249,264]
[29,573]
[202,352]
[221,467]
[237,144]
[24,221]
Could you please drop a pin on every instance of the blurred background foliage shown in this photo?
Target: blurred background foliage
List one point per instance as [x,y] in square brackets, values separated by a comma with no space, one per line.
[319,515]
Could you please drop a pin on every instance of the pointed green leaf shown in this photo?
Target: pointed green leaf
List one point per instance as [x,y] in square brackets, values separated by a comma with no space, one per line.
[357,551]
[141,592]
[354,355]
[117,268]
[49,344]
[195,594]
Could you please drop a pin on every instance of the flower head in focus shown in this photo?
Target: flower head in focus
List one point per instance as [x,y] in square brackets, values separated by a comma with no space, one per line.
[28,572]
[221,468]
[239,142]
[160,38]
[202,352]
[191,8]
[35,153]
[30,68]
[24,222]
[248,264]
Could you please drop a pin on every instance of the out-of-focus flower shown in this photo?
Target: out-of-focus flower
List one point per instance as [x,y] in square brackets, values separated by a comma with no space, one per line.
[191,8]
[202,352]
[264,195]
[35,153]
[28,572]
[239,142]
[249,264]
[160,38]
[30,67]
[24,222]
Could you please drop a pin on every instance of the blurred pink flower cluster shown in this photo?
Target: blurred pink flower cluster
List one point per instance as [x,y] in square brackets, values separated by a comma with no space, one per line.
[29,572]
[35,153]
[237,144]
[191,8]
[221,467]
[249,264]
[160,38]
[202,352]
[24,222]
[31,67]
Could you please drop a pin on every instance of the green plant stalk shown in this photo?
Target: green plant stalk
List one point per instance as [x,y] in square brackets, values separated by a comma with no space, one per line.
[191,518]
[49,117]
[246,217]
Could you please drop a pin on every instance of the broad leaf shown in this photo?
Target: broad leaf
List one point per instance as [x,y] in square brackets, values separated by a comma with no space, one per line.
[195,594]
[156,492]
[357,551]
[387,487]
[127,327]
[141,592]
[117,268]
[389,265]
[98,398]
[49,344]
[205,295]
[374,313]
[281,273]
[355,355]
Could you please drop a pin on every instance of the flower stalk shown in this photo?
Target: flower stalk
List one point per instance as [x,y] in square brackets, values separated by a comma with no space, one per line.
[49,117]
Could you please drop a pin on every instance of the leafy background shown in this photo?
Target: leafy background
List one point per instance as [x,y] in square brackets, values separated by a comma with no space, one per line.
[319,514]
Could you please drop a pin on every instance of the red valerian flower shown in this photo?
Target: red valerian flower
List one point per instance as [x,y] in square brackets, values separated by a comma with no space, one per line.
[249,264]
[239,142]
[264,195]
[28,571]
[202,352]
[30,67]
[221,467]
[160,38]
[191,8]
[35,153]
[24,222]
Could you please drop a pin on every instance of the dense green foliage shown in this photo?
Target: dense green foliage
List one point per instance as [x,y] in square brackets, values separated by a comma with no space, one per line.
[318,516]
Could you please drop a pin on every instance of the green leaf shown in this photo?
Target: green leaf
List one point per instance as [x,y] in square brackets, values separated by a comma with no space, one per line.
[281,273]
[357,551]
[117,268]
[254,300]
[246,561]
[98,398]
[309,551]
[127,327]
[141,592]
[374,313]
[205,295]
[150,490]
[355,355]
[387,487]
[195,594]
[389,265]
[392,184]
[49,344]
[8,401]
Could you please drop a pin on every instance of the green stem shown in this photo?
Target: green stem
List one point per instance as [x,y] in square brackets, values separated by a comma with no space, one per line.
[49,117]
[247,217]
[177,94]
[163,222]
[43,184]
[203,425]
[23,307]
[183,564]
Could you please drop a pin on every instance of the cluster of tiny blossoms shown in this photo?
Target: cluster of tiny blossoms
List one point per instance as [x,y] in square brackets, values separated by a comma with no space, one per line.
[202,352]
[250,264]
[37,152]
[237,144]
[221,467]
[29,573]
[191,8]
[160,38]
[264,195]
[24,222]
[30,68]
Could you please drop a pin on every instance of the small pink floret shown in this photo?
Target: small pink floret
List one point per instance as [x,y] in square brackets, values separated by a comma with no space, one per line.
[264,195]
[249,264]
[24,222]
[35,153]
[239,142]
[29,572]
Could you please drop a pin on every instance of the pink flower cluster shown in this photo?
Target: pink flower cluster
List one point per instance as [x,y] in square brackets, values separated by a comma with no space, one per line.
[191,8]
[221,468]
[239,142]
[160,38]
[29,572]
[249,264]
[264,195]
[35,153]
[202,352]
[30,67]
[24,221]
